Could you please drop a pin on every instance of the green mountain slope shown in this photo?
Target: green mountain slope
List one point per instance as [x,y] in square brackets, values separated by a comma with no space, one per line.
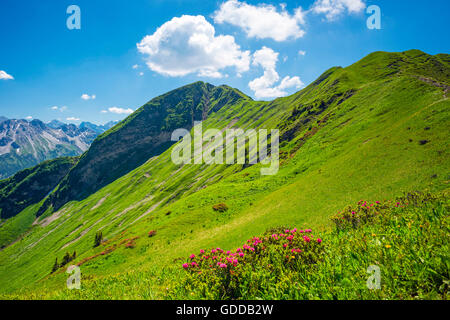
[32,185]
[368,131]
[144,134]
[26,188]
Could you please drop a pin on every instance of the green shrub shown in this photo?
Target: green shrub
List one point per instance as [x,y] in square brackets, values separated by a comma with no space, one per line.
[220,207]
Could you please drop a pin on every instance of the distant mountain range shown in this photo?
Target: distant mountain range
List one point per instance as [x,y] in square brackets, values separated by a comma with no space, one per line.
[24,144]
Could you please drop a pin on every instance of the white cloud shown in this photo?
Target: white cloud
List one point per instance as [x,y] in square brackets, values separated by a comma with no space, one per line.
[135,66]
[189,45]
[301,52]
[104,111]
[72,119]
[62,109]
[262,21]
[334,8]
[29,118]
[141,74]
[5,76]
[120,110]
[264,86]
[85,96]
[290,82]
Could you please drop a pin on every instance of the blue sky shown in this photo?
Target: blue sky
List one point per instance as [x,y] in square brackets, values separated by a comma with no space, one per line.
[264,48]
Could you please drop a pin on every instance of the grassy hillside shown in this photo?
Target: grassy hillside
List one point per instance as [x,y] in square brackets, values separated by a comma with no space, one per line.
[31,185]
[368,131]
[144,134]
[404,242]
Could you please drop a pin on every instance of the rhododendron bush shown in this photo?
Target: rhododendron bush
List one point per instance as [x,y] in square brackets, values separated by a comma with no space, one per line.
[226,274]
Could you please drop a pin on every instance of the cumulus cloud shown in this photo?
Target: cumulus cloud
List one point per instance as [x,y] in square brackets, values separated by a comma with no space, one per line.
[5,76]
[85,96]
[135,66]
[29,118]
[301,52]
[119,110]
[264,86]
[72,119]
[334,8]
[262,21]
[187,45]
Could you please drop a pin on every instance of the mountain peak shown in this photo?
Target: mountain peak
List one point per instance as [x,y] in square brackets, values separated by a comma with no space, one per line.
[142,135]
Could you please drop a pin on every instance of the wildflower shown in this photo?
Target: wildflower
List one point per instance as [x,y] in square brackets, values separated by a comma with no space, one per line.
[194,264]
[185,265]
[306,238]
[285,245]
[228,252]
[192,256]
[388,246]
[223,265]
[241,254]
[202,251]
[319,240]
